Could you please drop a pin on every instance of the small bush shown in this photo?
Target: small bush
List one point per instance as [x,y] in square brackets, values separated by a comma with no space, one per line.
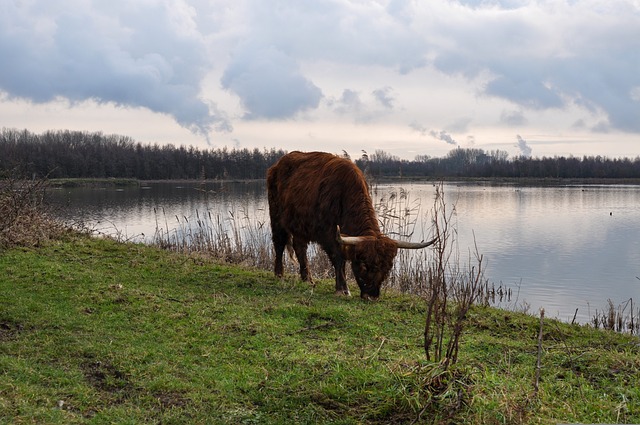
[23,217]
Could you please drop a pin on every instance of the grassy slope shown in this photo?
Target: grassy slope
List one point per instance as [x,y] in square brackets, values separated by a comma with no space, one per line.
[93,331]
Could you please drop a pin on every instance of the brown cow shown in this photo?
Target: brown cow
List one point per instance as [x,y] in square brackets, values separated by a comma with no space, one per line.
[315,196]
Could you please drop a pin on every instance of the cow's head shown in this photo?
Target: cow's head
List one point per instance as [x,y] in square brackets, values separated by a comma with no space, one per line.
[372,258]
[371,262]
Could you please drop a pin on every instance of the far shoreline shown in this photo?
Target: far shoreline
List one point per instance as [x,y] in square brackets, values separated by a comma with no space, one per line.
[517,181]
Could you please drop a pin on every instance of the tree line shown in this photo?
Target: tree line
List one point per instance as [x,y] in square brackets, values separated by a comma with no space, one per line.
[461,162]
[74,154]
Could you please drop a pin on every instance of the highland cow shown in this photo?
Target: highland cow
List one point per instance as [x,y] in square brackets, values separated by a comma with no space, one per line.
[320,197]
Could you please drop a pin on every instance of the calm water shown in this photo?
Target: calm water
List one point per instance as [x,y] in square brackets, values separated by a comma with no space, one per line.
[560,248]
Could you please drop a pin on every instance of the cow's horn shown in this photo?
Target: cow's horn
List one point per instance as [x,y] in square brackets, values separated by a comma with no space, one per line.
[348,240]
[415,245]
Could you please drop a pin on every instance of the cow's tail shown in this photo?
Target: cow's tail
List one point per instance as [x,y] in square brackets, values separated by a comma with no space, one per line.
[290,250]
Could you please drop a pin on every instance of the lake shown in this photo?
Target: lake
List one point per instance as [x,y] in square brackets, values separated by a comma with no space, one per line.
[560,248]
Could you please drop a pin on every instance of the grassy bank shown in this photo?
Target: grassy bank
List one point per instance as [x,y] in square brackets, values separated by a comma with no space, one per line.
[95,331]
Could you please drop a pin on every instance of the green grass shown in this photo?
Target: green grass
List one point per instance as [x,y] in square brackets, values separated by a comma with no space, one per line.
[95,331]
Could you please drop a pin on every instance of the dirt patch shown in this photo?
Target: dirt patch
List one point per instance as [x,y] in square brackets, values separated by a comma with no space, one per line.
[170,399]
[10,330]
[105,377]
[115,387]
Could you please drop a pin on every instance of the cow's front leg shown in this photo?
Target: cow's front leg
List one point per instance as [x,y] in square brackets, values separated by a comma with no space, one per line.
[341,278]
[338,260]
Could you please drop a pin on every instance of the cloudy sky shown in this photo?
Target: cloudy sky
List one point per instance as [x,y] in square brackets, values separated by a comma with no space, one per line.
[541,78]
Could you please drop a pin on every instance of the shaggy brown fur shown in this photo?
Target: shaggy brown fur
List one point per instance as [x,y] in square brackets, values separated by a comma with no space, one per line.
[310,194]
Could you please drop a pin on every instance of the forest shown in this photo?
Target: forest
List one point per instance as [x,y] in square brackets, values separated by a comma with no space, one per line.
[75,154]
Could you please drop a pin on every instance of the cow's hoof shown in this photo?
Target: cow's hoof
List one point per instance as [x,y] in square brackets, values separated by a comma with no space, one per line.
[342,293]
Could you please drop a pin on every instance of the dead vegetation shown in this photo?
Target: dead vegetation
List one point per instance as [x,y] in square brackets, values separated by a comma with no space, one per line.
[623,318]
[238,237]
[23,217]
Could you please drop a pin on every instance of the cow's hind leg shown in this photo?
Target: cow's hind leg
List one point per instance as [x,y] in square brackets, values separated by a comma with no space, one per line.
[300,248]
[341,278]
[280,239]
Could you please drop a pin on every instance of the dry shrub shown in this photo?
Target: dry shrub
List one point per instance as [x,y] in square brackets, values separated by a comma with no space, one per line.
[452,289]
[624,318]
[23,217]
[449,285]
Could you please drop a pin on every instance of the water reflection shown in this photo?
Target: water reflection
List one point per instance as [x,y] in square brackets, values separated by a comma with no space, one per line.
[137,212]
[567,247]
[560,248]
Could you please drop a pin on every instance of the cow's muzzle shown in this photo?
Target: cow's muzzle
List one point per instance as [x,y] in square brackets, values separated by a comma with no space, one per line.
[368,297]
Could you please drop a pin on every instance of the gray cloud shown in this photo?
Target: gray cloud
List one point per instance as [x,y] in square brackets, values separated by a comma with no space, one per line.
[495,4]
[363,109]
[579,124]
[269,83]
[273,41]
[535,56]
[155,54]
[513,118]
[461,125]
[582,53]
[529,92]
[348,103]
[525,149]
[444,136]
[344,32]
[416,126]
[384,97]
[601,127]
[144,55]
